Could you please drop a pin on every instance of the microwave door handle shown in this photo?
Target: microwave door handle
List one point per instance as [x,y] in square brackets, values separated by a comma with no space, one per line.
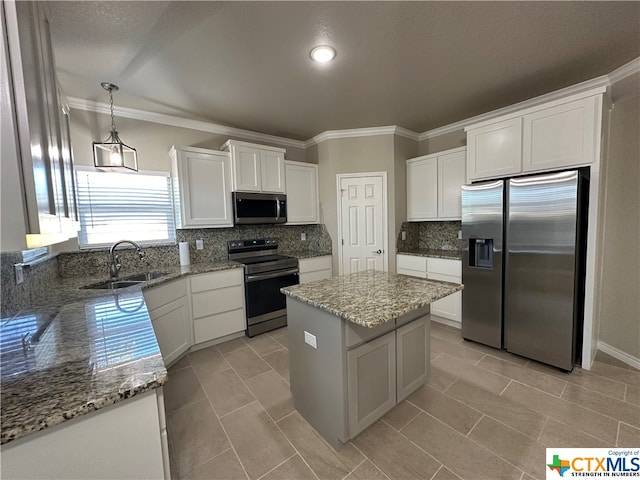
[277,209]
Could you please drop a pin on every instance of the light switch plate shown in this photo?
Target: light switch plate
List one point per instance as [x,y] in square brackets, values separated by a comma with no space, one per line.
[199,244]
[19,274]
[310,339]
[303,236]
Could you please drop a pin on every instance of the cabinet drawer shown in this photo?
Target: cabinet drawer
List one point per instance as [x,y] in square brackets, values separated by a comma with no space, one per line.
[216,326]
[217,301]
[411,262]
[314,264]
[210,281]
[444,278]
[163,294]
[444,266]
[313,276]
[412,273]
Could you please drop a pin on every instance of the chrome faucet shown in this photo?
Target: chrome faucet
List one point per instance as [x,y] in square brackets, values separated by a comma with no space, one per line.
[114,258]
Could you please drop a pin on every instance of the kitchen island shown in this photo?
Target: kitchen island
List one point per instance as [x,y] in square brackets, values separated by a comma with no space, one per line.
[358,345]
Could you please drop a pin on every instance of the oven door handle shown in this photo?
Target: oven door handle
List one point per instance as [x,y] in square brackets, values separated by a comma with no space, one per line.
[281,273]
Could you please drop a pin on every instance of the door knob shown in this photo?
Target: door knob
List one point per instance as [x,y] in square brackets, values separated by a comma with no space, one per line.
[377,251]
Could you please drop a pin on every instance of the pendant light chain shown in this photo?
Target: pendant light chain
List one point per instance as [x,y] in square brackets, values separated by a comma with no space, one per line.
[113,121]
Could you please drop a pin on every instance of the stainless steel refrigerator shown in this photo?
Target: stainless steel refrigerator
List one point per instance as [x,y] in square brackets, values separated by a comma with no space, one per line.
[523,262]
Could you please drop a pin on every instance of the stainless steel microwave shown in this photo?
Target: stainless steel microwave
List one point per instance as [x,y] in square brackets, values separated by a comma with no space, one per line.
[259,208]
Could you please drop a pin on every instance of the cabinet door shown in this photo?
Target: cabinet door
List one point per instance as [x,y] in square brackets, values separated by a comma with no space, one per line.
[246,169]
[302,193]
[561,136]
[422,189]
[451,177]
[449,307]
[371,381]
[272,177]
[205,196]
[412,344]
[171,325]
[494,150]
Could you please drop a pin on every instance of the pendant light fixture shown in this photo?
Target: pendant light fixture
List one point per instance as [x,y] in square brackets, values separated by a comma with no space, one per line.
[112,154]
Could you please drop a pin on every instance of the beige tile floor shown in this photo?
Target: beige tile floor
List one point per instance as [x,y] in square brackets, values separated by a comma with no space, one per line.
[484,414]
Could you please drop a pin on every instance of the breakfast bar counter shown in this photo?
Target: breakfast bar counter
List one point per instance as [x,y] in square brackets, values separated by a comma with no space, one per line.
[358,345]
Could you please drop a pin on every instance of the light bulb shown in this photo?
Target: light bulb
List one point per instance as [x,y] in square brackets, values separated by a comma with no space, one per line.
[322,54]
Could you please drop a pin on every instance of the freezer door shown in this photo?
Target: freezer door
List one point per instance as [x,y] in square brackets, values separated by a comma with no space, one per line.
[540,268]
[482,225]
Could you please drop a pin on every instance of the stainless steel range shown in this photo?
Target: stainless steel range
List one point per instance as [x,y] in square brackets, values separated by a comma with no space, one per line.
[265,273]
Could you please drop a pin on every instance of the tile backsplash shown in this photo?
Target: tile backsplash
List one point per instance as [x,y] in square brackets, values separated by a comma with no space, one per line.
[96,262]
[429,235]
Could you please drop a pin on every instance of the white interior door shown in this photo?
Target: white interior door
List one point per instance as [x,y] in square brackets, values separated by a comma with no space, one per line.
[363,223]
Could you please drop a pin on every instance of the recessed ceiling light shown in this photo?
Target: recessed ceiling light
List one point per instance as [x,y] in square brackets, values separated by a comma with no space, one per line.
[322,54]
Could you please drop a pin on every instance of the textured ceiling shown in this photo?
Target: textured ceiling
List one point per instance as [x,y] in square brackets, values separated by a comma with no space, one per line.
[419,65]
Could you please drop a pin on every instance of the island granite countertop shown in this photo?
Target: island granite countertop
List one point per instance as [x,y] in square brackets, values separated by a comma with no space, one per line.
[371,298]
[78,350]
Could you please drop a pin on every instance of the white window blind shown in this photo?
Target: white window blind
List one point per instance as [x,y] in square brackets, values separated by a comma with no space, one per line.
[132,206]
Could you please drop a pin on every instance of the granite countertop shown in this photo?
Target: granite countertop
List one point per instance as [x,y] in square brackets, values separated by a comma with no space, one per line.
[302,254]
[434,253]
[371,298]
[88,349]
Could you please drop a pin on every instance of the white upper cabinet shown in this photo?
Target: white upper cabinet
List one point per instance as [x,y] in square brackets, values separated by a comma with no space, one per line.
[451,177]
[495,150]
[38,131]
[433,185]
[256,168]
[202,187]
[559,134]
[422,188]
[302,192]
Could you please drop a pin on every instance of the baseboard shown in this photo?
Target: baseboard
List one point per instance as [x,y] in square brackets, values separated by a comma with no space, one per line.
[446,321]
[619,354]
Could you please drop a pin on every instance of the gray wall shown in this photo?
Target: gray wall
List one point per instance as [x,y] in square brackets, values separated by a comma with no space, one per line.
[455,139]
[619,289]
[381,153]
[151,140]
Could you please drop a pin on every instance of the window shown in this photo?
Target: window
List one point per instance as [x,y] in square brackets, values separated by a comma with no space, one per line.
[132,206]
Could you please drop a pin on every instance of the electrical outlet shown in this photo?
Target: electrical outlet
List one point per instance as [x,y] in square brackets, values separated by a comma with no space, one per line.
[199,244]
[310,339]
[403,235]
[303,236]
[19,274]
[459,234]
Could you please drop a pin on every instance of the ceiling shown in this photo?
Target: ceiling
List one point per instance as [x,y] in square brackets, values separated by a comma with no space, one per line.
[418,65]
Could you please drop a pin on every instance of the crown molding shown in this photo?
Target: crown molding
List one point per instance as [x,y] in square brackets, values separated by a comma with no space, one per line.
[362,132]
[625,71]
[173,121]
[589,87]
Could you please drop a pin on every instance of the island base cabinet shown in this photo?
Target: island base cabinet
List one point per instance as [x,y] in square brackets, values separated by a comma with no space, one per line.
[371,381]
[343,376]
[120,441]
[412,354]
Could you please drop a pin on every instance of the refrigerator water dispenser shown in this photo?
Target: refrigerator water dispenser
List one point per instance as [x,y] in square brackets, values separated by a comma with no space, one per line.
[481,252]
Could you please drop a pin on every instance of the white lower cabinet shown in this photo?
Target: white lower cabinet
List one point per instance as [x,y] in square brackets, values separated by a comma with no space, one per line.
[442,269]
[117,442]
[217,304]
[317,268]
[169,311]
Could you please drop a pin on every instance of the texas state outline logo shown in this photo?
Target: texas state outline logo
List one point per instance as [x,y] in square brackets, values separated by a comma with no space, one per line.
[592,463]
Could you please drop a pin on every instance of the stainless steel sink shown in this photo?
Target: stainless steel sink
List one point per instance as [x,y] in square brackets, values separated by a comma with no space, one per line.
[126,281]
